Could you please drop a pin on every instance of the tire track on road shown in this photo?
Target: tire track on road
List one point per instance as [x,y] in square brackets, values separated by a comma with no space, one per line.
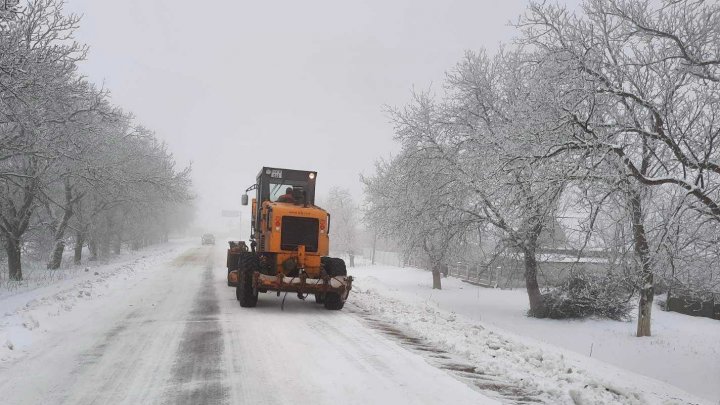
[198,374]
[130,361]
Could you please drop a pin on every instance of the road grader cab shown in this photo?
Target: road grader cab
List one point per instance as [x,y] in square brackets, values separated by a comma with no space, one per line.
[289,243]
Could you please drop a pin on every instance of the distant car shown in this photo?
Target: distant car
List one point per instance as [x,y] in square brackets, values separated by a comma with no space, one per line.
[208,239]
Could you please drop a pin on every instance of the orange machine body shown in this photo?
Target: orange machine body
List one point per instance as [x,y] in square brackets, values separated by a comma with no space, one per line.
[289,243]
[269,236]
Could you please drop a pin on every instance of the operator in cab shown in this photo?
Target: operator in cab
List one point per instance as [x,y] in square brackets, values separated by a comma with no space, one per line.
[287,197]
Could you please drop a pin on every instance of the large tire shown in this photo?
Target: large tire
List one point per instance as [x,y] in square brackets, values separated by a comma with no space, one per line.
[333,301]
[339,268]
[233,260]
[248,264]
[334,267]
[320,298]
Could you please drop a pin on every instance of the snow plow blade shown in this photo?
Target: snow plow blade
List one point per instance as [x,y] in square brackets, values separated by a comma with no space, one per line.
[262,282]
[339,284]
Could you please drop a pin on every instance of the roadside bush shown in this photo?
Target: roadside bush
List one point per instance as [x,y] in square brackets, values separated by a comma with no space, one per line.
[583,296]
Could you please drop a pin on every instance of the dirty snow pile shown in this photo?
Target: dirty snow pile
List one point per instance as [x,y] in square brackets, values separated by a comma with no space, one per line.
[33,310]
[546,372]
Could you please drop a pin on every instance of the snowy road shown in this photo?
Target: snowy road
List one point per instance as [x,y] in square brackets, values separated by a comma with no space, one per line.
[175,334]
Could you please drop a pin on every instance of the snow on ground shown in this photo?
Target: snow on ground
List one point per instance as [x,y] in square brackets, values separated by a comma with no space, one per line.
[31,310]
[171,331]
[490,329]
[161,323]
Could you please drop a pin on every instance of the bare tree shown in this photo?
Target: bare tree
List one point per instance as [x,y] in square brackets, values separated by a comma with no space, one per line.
[409,200]
[640,85]
[37,69]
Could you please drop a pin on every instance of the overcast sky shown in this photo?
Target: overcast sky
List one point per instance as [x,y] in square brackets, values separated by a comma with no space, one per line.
[235,85]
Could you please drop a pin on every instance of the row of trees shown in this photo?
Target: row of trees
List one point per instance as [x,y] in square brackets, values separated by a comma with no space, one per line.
[611,113]
[72,165]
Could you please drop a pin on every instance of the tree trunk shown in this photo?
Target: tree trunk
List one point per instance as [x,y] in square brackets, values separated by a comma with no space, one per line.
[372,259]
[106,236]
[435,264]
[93,247]
[16,220]
[12,248]
[437,277]
[56,255]
[79,242]
[117,244]
[105,246]
[669,287]
[642,252]
[645,307]
[537,306]
[59,234]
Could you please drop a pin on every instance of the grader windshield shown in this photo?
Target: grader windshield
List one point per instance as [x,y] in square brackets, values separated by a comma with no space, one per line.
[274,183]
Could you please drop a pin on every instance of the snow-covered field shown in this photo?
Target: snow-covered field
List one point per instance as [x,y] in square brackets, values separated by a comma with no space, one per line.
[599,359]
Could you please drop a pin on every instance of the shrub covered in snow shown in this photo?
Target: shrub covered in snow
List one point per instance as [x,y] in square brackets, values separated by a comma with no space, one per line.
[583,295]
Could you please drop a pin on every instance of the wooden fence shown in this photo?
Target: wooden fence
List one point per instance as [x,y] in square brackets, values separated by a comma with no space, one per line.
[475,274]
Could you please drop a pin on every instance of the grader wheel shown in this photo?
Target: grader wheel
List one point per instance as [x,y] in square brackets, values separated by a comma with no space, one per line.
[333,301]
[244,292]
[334,267]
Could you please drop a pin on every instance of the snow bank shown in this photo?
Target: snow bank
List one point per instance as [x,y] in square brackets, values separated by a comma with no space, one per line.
[489,329]
[32,310]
